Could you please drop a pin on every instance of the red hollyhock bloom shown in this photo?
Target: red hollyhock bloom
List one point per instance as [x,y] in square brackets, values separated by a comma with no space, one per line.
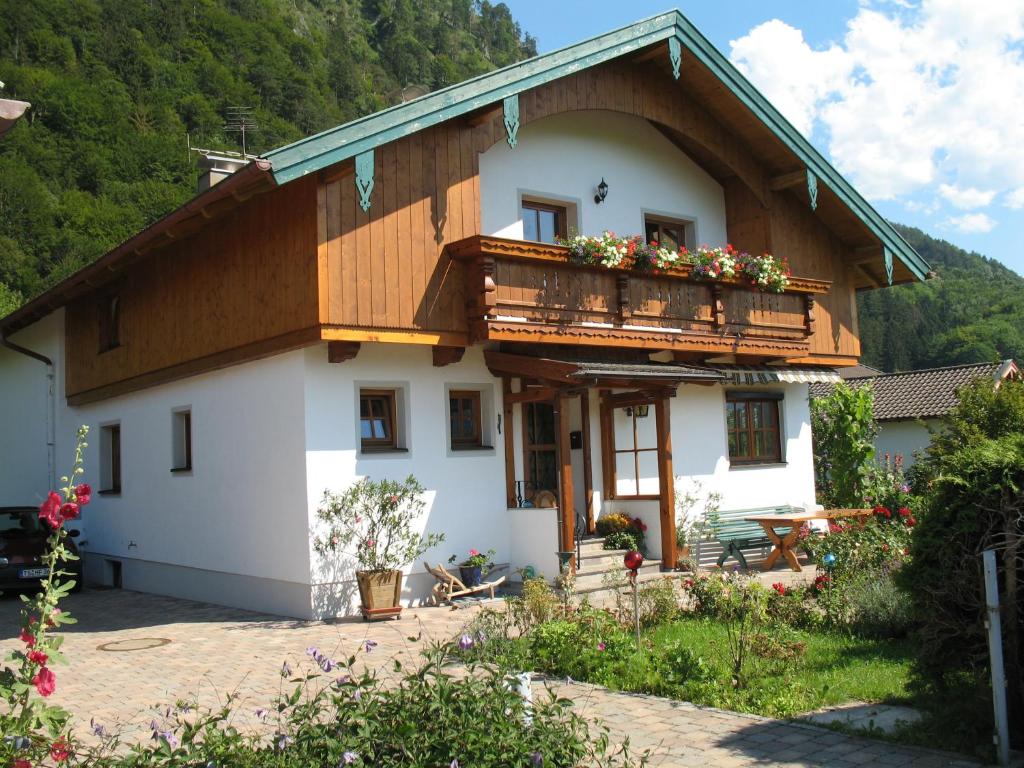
[60,751]
[779,587]
[38,657]
[49,510]
[27,638]
[83,491]
[45,682]
[69,511]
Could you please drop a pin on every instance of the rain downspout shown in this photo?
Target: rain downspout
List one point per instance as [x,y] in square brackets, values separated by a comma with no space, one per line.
[51,410]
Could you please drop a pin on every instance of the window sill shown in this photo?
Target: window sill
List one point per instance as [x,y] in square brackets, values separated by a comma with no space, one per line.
[110,492]
[471,448]
[757,464]
[381,451]
[181,470]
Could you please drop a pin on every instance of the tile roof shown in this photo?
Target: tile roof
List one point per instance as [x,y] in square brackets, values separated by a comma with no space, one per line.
[922,394]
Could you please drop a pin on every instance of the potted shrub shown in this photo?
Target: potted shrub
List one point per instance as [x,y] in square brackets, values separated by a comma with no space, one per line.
[473,569]
[373,520]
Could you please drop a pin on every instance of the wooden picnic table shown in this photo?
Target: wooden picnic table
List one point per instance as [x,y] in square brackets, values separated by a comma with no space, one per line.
[783,544]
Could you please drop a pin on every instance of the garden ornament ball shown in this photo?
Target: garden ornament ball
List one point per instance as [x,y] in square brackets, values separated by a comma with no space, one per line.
[633,560]
[828,560]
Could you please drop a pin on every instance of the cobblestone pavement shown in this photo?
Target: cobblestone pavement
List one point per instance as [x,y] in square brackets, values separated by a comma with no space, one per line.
[132,653]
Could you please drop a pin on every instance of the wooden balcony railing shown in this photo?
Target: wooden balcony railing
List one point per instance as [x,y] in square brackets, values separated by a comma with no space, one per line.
[524,291]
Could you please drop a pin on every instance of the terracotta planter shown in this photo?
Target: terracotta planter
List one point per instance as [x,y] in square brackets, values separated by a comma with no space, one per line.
[380,592]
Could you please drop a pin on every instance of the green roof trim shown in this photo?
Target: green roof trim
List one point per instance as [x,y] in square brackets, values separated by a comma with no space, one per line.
[324,149]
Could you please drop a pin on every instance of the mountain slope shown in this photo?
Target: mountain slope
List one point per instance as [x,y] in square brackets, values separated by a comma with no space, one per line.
[117,84]
[972,312]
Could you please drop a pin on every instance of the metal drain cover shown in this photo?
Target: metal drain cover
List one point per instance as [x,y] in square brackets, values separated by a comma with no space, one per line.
[134,644]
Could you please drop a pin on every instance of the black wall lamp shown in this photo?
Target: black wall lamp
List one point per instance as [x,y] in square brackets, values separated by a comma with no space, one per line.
[602,191]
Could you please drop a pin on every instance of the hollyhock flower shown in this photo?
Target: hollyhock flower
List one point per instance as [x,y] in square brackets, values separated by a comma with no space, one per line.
[38,657]
[83,492]
[27,638]
[779,587]
[49,510]
[69,510]
[59,751]
[45,682]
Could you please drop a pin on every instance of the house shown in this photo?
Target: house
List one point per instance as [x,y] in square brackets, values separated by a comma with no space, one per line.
[11,110]
[388,297]
[910,406]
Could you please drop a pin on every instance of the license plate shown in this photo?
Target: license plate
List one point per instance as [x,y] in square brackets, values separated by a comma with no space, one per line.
[32,573]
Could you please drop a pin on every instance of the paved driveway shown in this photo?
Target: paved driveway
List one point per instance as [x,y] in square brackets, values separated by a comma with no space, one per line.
[132,654]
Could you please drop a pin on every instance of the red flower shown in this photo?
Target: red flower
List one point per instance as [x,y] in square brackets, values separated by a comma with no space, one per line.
[27,638]
[49,510]
[911,521]
[37,657]
[60,751]
[69,511]
[21,763]
[904,512]
[885,547]
[883,511]
[45,681]
[82,493]
[779,587]
[906,550]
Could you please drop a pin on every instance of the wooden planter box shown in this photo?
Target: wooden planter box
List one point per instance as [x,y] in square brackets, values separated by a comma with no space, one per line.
[380,593]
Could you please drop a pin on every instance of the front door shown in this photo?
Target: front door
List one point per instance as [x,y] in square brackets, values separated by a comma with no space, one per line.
[540,459]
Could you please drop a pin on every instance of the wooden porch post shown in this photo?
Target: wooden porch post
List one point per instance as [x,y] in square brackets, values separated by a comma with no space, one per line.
[588,471]
[565,496]
[666,482]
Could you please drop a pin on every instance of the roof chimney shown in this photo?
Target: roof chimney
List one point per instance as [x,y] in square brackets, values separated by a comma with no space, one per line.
[216,168]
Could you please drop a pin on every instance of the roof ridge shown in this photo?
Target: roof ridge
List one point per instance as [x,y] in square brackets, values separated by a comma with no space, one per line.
[929,370]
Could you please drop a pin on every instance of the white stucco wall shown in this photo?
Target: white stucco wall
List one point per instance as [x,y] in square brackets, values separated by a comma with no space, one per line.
[465,490]
[904,438]
[565,156]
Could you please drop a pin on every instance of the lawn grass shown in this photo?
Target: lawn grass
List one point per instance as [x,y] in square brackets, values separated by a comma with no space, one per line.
[833,669]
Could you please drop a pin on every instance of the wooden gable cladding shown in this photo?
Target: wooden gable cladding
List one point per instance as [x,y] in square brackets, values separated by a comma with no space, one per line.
[387,270]
[244,286]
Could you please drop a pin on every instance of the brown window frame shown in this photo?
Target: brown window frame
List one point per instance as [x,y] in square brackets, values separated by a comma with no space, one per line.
[186,418]
[109,311]
[561,216]
[663,221]
[476,439]
[531,447]
[113,458]
[773,430]
[611,473]
[390,440]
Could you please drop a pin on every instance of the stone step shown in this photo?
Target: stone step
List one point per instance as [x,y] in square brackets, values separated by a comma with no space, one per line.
[590,545]
[599,594]
[592,576]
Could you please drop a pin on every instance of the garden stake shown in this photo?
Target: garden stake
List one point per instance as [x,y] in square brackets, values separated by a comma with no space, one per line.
[633,560]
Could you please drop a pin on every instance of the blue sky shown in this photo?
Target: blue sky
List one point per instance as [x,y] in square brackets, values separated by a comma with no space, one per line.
[915,101]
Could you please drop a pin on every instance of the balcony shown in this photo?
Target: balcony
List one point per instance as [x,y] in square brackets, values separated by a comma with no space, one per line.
[532,292]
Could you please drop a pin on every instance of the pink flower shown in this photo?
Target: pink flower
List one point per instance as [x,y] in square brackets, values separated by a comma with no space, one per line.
[69,510]
[27,638]
[370,543]
[83,491]
[49,510]
[45,681]
[600,646]
[473,553]
[38,657]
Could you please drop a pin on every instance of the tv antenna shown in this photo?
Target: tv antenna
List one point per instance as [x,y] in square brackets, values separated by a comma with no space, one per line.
[239,120]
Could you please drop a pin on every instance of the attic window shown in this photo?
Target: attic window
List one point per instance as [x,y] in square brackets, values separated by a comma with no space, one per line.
[110,322]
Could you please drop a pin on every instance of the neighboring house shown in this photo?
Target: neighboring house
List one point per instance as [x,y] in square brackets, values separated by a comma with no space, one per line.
[387,298]
[910,406]
[11,111]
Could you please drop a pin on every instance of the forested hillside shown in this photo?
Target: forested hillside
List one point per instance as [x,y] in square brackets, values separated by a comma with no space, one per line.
[972,312]
[117,84]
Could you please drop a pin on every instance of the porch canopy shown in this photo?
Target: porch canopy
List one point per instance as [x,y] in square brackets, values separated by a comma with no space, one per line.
[562,376]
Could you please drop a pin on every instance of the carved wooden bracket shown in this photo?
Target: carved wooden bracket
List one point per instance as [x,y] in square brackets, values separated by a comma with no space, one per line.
[447,355]
[487,291]
[717,307]
[809,314]
[340,351]
[622,290]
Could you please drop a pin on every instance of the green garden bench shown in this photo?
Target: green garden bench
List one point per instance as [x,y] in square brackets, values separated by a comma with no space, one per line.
[735,533]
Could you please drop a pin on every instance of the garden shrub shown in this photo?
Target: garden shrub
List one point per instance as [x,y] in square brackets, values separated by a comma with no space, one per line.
[537,604]
[843,431]
[630,540]
[877,605]
[613,523]
[622,532]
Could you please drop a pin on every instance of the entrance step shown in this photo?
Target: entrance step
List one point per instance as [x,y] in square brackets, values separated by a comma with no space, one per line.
[605,593]
[596,576]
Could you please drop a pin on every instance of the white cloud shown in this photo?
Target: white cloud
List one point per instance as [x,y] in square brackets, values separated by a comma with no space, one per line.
[966,198]
[971,223]
[1015,198]
[908,96]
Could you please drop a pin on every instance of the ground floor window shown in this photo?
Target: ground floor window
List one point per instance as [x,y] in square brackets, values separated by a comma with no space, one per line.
[752,424]
[377,419]
[464,418]
[633,442]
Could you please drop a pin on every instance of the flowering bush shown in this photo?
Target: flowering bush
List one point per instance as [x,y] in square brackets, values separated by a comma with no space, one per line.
[476,559]
[613,523]
[622,532]
[376,517]
[32,728]
[606,249]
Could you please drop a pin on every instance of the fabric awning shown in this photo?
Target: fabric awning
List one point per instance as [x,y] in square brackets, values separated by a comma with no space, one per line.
[768,374]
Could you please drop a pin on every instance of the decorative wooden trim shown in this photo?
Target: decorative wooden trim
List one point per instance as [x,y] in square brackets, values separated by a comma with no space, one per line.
[510,119]
[809,318]
[705,343]
[534,395]
[675,55]
[443,338]
[887,257]
[788,180]
[364,178]
[341,351]
[812,189]
[255,351]
[622,298]
[444,355]
[479,247]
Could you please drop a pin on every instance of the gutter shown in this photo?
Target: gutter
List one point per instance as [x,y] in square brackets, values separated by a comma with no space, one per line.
[51,409]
